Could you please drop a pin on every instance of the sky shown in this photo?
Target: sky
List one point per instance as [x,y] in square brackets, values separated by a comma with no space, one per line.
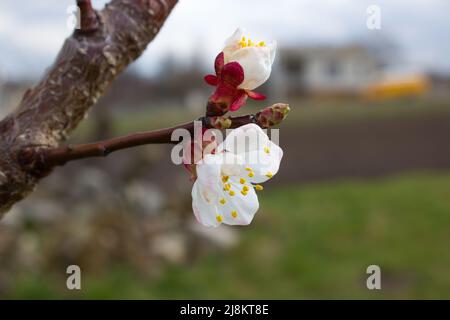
[32,32]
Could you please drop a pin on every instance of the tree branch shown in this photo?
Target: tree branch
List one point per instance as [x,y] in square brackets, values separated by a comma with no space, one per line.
[48,158]
[62,155]
[109,40]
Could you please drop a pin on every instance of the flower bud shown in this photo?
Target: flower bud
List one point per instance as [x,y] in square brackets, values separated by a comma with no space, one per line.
[256,59]
[273,115]
[219,122]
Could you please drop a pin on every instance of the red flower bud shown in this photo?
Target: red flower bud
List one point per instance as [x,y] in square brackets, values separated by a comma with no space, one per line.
[227,96]
[272,115]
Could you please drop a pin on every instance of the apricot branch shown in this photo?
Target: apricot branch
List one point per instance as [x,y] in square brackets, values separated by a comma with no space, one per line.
[49,158]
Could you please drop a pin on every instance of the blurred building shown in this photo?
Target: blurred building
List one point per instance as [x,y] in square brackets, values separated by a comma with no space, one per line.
[440,84]
[344,70]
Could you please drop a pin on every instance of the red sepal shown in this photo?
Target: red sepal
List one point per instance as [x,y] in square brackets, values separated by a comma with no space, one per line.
[228,96]
[219,63]
[233,74]
[211,79]
[255,95]
[239,100]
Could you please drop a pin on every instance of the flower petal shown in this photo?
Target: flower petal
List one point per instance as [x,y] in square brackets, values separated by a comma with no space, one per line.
[205,212]
[232,164]
[208,169]
[211,79]
[232,44]
[272,49]
[263,164]
[255,150]
[244,139]
[238,209]
[207,189]
[256,63]
[235,37]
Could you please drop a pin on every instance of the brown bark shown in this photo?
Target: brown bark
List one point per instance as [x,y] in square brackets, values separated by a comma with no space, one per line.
[109,40]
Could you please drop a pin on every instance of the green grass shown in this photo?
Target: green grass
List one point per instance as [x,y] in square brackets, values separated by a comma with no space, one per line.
[313,241]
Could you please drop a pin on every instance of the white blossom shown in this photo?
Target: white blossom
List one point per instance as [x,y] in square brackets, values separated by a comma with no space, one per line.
[255,58]
[224,191]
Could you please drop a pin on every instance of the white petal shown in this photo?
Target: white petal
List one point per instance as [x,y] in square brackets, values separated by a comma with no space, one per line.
[208,171]
[232,165]
[204,210]
[264,163]
[257,65]
[235,37]
[244,139]
[243,206]
[206,190]
[232,44]
[273,49]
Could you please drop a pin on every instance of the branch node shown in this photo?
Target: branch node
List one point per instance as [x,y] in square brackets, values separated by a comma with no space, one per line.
[88,17]
[103,150]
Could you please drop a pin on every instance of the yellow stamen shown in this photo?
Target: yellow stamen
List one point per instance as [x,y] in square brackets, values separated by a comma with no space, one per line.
[243,42]
[269,174]
[234,214]
[245,188]
[219,218]
[244,193]
[242,181]
[223,201]
[225,179]
[249,169]
[251,174]
[266,150]
[232,193]
[226,187]
[259,187]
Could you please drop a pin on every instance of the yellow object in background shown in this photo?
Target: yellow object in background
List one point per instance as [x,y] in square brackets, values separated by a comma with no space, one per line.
[398,87]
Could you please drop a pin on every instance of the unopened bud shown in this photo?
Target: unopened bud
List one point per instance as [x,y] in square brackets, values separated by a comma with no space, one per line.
[273,115]
[219,122]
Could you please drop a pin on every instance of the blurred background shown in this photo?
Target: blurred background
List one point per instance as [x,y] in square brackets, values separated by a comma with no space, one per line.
[365,178]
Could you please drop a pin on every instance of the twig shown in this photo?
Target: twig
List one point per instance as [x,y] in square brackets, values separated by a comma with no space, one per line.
[88,17]
[62,155]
